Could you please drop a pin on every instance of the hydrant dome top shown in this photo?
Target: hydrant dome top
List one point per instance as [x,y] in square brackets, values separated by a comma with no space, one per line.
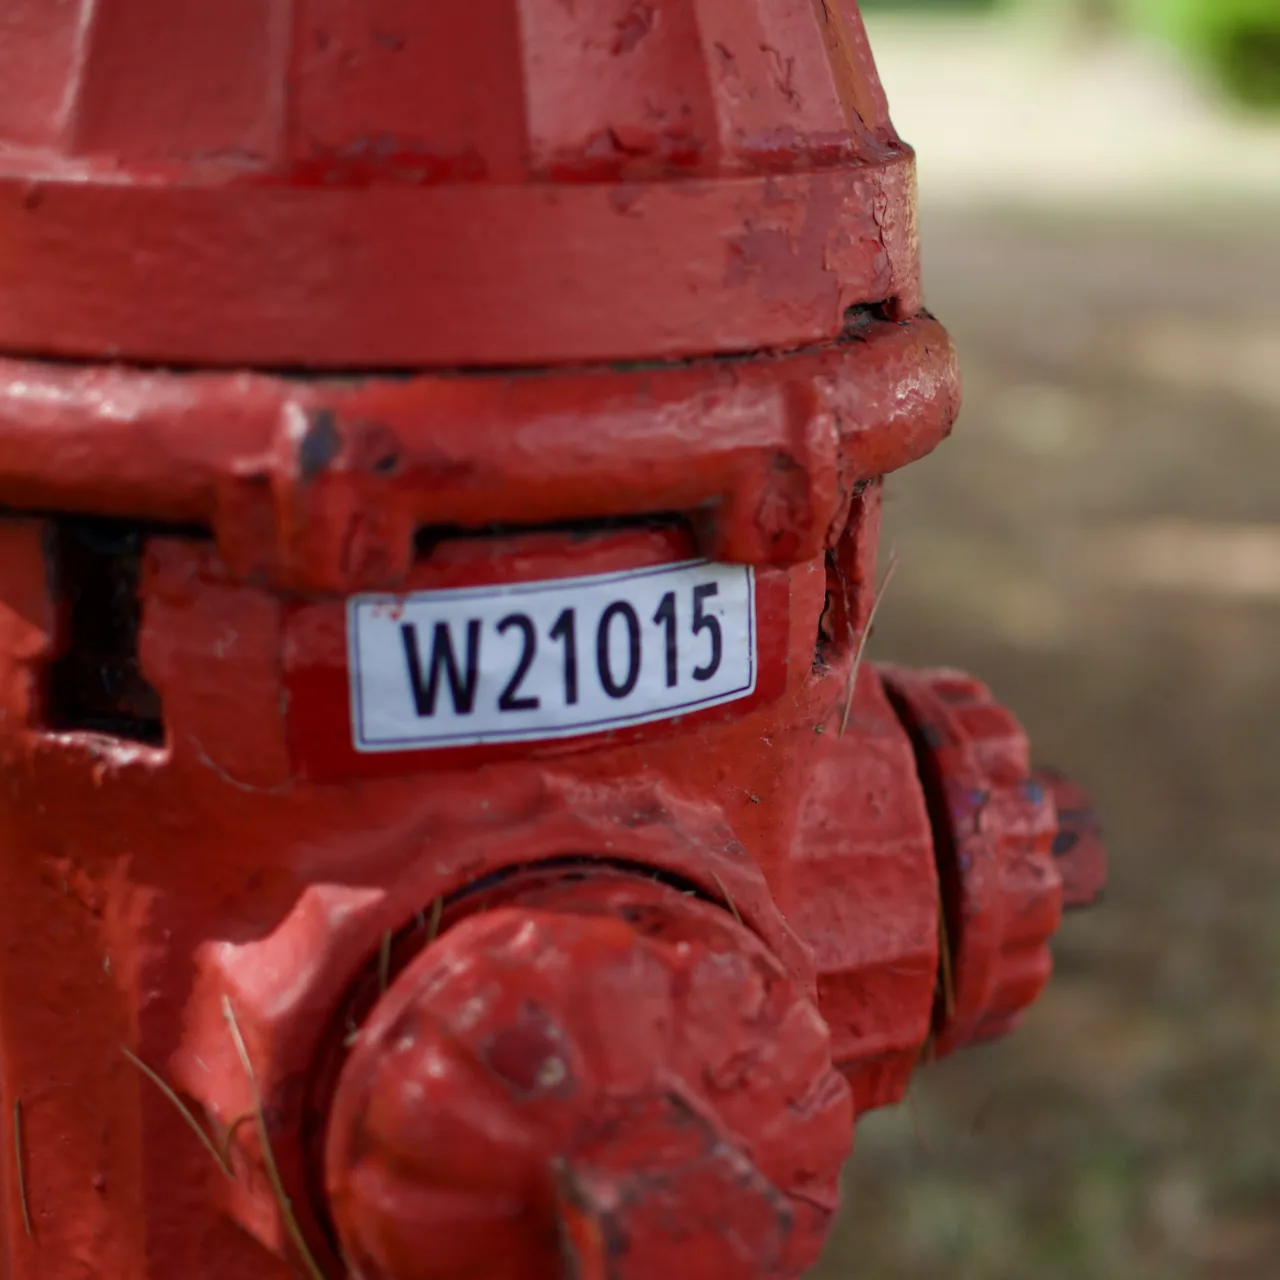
[363,183]
[455,90]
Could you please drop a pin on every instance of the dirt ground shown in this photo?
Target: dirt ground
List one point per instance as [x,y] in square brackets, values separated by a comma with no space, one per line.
[1100,540]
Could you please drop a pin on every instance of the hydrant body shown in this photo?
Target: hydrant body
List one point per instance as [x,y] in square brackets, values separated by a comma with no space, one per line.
[447,827]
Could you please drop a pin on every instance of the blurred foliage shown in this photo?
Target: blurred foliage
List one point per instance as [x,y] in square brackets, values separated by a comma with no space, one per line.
[1236,41]
[939,5]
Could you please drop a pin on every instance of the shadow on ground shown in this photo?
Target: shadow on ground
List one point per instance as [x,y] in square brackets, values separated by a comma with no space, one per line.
[1101,542]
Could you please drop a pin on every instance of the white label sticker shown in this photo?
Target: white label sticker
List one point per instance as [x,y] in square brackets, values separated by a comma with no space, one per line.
[553,659]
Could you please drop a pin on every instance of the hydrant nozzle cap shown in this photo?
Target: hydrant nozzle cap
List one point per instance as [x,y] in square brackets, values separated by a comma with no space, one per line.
[1014,848]
[607,1070]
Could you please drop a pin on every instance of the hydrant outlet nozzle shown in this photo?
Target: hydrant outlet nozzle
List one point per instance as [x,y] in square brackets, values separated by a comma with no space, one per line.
[591,1080]
[1013,847]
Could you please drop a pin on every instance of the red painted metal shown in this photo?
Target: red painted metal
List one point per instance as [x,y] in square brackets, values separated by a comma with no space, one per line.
[655,1066]
[333,291]
[322,483]
[1001,885]
[357,185]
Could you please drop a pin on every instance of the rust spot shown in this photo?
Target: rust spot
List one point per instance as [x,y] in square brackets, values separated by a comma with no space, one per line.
[859,318]
[784,71]
[638,21]
[531,1058]
[376,448]
[625,142]
[643,815]
[320,445]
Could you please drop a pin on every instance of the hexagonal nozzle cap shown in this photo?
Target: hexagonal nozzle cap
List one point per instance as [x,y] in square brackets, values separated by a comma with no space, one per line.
[608,1077]
[1013,847]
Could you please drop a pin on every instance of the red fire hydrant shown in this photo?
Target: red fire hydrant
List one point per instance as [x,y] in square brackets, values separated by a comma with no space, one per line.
[446,829]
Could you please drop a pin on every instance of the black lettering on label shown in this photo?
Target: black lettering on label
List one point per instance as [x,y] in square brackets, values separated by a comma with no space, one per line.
[462,680]
[614,687]
[707,622]
[666,618]
[510,701]
[565,633]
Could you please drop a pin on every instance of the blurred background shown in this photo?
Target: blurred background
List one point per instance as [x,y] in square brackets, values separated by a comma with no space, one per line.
[1100,540]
